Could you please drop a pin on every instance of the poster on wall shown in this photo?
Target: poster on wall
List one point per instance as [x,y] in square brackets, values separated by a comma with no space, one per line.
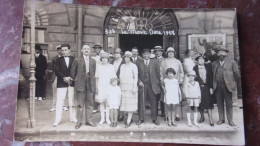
[119,74]
[205,43]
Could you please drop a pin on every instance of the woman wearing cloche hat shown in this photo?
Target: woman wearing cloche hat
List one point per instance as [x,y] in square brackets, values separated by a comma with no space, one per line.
[128,84]
[104,73]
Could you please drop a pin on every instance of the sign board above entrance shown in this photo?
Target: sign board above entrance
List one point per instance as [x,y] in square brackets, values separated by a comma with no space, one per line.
[141,21]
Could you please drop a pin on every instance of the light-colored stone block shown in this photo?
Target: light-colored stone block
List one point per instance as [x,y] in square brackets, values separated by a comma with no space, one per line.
[57,37]
[93,21]
[92,38]
[53,8]
[60,19]
[55,29]
[97,11]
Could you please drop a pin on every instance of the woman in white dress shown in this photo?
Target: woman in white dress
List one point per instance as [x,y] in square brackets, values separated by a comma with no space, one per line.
[128,85]
[104,73]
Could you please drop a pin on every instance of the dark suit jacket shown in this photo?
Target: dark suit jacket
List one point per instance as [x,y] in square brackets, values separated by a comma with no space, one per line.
[137,60]
[118,71]
[61,71]
[53,63]
[41,66]
[230,72]
[154,74]
[78,73]
[208,75]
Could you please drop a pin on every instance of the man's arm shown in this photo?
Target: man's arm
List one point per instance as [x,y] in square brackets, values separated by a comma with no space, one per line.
[73,69]
[235,71]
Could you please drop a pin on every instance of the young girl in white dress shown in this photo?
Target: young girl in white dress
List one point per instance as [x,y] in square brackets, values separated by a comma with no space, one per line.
[114,99]
[172,95]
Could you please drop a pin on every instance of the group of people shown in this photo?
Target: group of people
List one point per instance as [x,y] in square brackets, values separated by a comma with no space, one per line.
[124,83]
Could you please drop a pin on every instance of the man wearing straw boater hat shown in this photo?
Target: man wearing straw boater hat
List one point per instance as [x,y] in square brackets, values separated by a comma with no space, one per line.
[225,78]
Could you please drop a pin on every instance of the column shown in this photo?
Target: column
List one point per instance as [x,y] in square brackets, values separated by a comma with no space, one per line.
[80,23]
[31,123]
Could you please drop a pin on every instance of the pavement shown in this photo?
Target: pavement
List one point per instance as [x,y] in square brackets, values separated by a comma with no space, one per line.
[147,132]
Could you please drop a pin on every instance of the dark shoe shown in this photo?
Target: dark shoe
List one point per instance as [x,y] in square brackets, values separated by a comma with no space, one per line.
[201,120]
[77,125]
[121,118]
[166,119]
[163,115]
[177,119]
[156,122]
[220,122]
[91,124]
[127,125]
[139,122]
[231,123]
[211,124]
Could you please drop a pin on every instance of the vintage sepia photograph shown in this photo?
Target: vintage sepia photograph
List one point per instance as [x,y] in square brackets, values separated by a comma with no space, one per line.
[124,74]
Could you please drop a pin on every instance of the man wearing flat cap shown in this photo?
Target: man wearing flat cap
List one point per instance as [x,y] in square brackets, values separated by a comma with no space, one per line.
[159,58]
[149,83]
[225,78]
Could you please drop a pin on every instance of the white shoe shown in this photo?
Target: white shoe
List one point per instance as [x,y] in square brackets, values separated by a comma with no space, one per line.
[40,98]
[189,124]
[101,122]
[36,98]
[55,124]
[65,108]
[196,124]
[108,121]
[52,109]
[75,120]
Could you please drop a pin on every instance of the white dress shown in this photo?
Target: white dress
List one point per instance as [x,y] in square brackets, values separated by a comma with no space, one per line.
[172,95]
[114,97]
[104,73]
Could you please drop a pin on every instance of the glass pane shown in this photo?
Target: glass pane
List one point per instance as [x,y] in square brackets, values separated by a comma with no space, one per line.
[111,44]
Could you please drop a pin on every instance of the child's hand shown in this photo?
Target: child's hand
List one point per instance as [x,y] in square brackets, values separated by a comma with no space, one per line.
[188,101]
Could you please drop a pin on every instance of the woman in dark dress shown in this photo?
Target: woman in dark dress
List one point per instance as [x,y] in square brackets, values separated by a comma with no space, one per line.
[204,77]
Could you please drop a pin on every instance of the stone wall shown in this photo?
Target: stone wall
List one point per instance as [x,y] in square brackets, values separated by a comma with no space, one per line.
[207,21]
[93,24]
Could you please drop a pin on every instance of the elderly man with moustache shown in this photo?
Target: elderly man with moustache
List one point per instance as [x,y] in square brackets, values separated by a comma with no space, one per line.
[83,73]
[225,78]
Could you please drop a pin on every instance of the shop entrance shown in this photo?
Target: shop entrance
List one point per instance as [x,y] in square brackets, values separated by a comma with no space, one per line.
[128,41]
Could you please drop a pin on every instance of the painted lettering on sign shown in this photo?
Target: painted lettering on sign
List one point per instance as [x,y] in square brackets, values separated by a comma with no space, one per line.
[141,32]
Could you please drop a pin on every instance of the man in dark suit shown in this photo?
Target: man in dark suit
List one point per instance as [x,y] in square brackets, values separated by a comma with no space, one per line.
[83,73]
[65,84]
[149,81]
[225,77]
[135,58]
[40,73]
[54,79]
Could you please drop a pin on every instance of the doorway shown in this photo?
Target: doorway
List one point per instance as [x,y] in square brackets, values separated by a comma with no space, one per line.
[128,41]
